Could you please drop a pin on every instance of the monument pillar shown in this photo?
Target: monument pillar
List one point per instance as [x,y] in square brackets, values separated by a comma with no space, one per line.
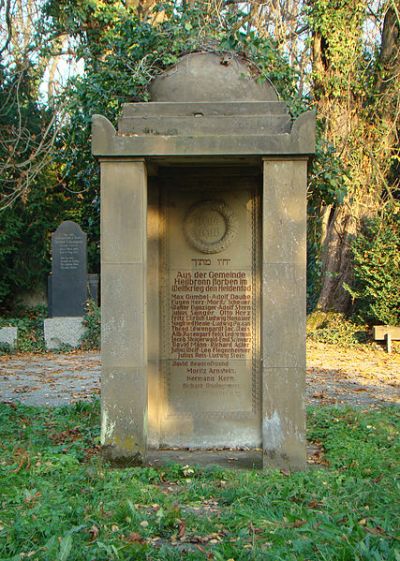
[124,322]
[284,312]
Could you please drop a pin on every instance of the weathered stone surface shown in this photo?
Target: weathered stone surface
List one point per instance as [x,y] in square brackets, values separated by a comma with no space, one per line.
[222,370]
[125,241]
[124,414]
[285,212]
[204,108]
[300,141]
[210,77]
[123,338]
[9,336]
[284,312]
[201,125]
[124,310]
[283,423]
[68,283]
[209,323]
[155,400]
[61,331]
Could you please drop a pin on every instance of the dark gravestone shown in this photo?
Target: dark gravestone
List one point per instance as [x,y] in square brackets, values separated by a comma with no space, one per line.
[68,283]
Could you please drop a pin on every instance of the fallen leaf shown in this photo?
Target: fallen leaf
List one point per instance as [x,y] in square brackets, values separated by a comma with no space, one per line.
[94,532]
[319,395]
[30,499]
[134,537]
[315,504]
[23,459]
[181,529]
[299,523]
[377,531]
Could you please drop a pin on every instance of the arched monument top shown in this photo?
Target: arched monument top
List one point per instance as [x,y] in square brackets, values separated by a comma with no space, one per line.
[207,105]
[202,77]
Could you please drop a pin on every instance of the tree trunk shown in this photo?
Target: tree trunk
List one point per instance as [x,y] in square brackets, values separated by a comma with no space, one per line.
[337,263]
[341,117]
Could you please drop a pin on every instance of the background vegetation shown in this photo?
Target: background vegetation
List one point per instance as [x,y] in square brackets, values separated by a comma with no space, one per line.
[61,61]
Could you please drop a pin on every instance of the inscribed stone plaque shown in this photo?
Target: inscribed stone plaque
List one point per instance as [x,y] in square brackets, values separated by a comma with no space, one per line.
[69,271]
[210,334]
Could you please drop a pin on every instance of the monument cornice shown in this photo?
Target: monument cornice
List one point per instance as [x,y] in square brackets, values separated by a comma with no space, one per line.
[298,141]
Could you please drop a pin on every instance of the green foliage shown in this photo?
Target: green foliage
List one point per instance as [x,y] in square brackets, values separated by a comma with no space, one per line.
[25,230]
[341,21]
[335,329]
[122,54]
[32,202]
[92,323]
[328,177]
[60,501]
[327,185]
[29,322]
[376,251]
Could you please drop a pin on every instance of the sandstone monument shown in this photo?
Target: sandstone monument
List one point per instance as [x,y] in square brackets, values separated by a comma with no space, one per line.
[203,236]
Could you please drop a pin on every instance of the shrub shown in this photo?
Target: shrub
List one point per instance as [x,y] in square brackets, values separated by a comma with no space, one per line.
[92,323]
[29,322]
[333,328]
[376,252]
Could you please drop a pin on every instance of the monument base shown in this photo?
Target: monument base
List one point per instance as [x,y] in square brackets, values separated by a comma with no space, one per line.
[62,331]
[8,336]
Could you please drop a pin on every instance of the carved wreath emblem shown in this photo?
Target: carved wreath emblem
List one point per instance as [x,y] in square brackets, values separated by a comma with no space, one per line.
[210,226]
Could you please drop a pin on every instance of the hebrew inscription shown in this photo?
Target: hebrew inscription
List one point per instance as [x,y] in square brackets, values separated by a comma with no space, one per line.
[210,328]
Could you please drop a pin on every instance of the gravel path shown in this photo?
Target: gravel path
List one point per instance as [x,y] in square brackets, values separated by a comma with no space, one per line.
[358,376]
[50,379]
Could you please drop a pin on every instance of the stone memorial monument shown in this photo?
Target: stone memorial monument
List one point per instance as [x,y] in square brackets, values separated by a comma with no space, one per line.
[67,286]
[203,236]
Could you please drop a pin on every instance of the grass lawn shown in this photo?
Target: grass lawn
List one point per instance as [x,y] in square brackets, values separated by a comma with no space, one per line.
[59,501]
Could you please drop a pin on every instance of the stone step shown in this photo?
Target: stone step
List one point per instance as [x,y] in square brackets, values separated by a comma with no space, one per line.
[188,109]
[206,125]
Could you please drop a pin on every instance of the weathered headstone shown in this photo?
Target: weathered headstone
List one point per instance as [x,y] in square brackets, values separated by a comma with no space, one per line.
[203,234]
[68,284]
[67,287]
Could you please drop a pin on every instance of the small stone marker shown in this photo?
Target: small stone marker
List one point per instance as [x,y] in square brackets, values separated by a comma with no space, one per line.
[68,286]
[59,332]
[8,336]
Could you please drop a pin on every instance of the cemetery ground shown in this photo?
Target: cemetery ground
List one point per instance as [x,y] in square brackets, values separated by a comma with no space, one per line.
[60,501]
